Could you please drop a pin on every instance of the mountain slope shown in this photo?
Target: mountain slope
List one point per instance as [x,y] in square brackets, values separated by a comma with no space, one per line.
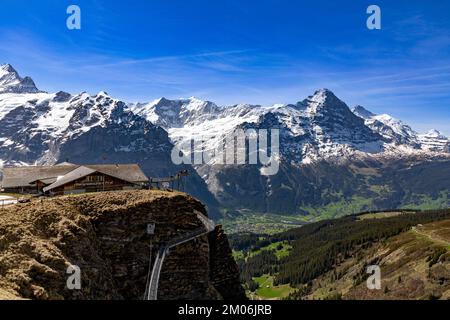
[329,259]
[434,141]
[399,133]
[330,157]
[414,265]
[44,129]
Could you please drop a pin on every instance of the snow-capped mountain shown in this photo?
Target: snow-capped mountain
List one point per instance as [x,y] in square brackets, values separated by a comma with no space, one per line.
[35,126]
[10,81]
[327,151]
[399,133]
[177,113]
[434,141]
[393,130]
[188,119]
[321,126]
[39,128]
[196,117]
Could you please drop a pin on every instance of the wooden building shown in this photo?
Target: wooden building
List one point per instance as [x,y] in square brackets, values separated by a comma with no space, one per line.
[73,179]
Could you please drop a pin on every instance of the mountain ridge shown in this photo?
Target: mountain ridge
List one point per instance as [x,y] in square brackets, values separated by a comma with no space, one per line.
[180,119]
[328,152]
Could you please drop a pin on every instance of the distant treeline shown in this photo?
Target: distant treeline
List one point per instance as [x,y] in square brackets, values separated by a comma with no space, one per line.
[317,247]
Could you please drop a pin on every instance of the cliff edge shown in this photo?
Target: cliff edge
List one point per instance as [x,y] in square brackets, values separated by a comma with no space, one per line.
[105,235]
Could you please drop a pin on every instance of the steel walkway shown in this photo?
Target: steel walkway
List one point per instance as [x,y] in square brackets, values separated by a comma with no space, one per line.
[208,226]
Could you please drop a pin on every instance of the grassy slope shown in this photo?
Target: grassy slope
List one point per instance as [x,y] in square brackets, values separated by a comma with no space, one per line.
[425,202]
[268,291]
[405,268]
[380,215]
[409,250]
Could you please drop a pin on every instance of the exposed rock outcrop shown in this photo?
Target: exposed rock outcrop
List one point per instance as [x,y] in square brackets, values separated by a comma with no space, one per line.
[105,235]
[224,271]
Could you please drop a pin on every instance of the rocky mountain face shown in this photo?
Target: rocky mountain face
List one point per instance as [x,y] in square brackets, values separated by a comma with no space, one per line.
[434,141]
[328,153]
[42,128]
[319,127]
[331,157]
[392,130]
[105,235]
[11,82]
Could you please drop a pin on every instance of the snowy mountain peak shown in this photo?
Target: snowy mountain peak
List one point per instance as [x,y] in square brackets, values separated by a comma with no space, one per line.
[11,82]
[8,73]
[433,133]
[6,68]
[324,101]
[196,100]
[398,133]
[362,112]
[62,96]
[434,141]
[156,101]
[194,103]
[102,94]
[176,113]
[321,96]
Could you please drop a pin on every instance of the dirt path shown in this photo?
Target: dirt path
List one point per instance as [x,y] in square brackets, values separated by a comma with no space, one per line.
[431,238]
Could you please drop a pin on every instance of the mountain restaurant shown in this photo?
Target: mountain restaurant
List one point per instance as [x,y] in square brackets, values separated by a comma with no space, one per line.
[69,178]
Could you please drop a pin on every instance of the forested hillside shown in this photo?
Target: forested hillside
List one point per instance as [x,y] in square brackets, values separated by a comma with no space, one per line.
[318,248]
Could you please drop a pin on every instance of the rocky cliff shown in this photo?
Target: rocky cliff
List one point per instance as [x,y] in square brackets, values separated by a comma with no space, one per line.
[105,235]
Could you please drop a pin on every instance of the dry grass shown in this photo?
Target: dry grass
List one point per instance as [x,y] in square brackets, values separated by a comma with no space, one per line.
[39,240]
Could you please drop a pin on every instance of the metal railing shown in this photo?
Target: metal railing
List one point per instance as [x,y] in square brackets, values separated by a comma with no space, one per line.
[208,226]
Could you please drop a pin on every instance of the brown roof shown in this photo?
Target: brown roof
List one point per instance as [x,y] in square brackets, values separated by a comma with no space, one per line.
[76,174]
[14,177]
[127,172]
[46,181]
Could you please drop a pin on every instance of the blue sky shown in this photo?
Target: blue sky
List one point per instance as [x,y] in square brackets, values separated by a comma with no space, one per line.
[255,51]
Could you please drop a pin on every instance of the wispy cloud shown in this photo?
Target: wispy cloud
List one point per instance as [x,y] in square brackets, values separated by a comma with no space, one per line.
[403,89]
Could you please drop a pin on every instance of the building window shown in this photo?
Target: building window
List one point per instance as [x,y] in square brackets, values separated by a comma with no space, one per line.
[95,178]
